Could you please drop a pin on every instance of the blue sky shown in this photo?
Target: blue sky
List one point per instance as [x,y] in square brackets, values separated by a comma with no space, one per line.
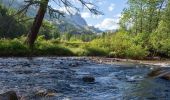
[112,12]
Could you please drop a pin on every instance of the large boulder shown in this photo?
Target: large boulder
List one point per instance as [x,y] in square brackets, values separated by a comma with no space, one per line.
[166,77]
[155,72]
[10,95]
[160,73]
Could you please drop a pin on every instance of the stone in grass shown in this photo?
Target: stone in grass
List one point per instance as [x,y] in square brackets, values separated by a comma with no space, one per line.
[88,79]
[10,95]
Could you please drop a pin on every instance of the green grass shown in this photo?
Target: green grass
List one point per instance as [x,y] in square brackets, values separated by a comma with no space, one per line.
[120,45]
[16,47]
[44,48]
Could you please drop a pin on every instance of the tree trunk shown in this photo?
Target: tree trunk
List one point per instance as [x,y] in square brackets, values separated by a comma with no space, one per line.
[32,35]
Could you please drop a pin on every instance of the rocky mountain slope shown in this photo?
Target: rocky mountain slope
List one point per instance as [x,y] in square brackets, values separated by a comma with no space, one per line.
[70,23]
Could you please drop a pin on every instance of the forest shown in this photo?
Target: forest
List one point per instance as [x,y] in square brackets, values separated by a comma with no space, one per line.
[144,32]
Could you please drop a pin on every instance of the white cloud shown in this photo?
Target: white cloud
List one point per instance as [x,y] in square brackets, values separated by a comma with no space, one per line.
[90,24]
[101,2]
[97,16]
[118,16]
[90,6]
[67,10]
[108,24]
[85,15]
[111,7]
[89,15]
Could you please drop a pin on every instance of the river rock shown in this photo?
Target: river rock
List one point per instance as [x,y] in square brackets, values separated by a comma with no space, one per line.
[155,72]
[88,79]
[61,62]
[73,64]
[46,92]
[160,73]
[10,95]
[166,77]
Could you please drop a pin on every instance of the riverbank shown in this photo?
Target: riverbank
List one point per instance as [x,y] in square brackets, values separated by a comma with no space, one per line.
[158,62]
[103,60]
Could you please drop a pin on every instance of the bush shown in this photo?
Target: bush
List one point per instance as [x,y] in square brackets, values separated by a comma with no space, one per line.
[164,49]
[136,52]
[13,48]
[96,52]
[95,49]
[79,51]
[121,44]
[160,44]
[43,47]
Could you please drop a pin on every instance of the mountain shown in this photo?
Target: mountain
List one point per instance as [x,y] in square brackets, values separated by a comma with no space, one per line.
[110,31]
[74,24]
[12,3]
[70,23]
[76,19]
[93,29]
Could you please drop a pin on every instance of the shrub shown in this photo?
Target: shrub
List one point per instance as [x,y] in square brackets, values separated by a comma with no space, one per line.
[136,52]
[79,51]
[96,52]
[43,47]
[13,48]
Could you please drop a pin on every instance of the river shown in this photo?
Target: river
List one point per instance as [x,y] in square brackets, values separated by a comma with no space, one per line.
[60,78]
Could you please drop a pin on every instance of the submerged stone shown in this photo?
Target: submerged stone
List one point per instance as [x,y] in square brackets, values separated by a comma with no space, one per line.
[73,64]
[10,95]
[88,79]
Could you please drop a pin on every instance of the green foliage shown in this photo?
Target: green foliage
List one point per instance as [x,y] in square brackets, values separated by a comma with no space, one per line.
[136,52]
[160,44]
[16,47]
[13,48]
[144,31]
[120,44]
[49,30]
[10,27]
[148,23]
[96,52]
[142,16]
[79,51]
[123,45]
[15,26]
[160,39]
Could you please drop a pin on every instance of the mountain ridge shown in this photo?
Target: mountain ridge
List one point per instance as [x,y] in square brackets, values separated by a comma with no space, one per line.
[74,23]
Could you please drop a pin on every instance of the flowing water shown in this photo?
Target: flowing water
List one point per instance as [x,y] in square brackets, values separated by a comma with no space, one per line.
[52,78]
